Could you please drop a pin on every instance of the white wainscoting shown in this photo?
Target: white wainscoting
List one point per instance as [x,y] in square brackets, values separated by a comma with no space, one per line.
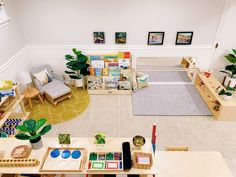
[53,55]
[19,62]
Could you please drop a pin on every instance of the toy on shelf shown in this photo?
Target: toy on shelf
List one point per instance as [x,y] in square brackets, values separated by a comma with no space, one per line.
[142,160]
[105,161]
[18,162]
[64,160]
[22,151]
[9,126]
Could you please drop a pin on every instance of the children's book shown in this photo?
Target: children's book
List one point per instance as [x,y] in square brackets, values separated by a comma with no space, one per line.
[105,71]
[97,63]
[98,71]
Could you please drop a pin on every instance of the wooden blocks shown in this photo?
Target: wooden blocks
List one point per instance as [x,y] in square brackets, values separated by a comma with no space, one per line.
[18,162]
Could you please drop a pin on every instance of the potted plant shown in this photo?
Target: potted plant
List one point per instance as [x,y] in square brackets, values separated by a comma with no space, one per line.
[227,93]
[230,70]
[33,130]
[78,67]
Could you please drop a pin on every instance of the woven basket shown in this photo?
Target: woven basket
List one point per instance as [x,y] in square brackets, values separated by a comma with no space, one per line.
[142,166]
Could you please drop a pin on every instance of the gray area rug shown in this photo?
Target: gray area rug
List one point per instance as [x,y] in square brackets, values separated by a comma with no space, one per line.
[178,100]
[167,76]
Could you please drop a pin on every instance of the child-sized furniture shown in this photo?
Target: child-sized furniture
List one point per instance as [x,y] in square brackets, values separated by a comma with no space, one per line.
[55,90]
[32,93]
[220,108]
[110,74]
[11,117]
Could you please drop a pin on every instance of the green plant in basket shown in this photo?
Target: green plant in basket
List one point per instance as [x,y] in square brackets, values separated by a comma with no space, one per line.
[32,130]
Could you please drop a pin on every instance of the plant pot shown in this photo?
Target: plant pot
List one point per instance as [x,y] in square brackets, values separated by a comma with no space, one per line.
[226,97]
[36,143]
[231,80]
[79,82]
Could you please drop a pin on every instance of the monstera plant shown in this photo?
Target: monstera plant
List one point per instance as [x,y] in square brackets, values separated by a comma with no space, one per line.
[32,130]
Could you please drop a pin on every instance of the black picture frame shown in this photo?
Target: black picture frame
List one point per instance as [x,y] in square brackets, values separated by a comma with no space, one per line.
[120,37]
[154,34]
[188,38]
[99,37]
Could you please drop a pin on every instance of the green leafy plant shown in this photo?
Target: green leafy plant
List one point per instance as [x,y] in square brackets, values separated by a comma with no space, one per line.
[228,91]
[230,69]
[77,65]
[32,130]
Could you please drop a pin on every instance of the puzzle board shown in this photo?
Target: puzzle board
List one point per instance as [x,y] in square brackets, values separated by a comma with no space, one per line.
[105,161]
[60,164]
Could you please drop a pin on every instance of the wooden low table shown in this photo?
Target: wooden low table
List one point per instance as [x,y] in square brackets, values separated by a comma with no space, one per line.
[32,93]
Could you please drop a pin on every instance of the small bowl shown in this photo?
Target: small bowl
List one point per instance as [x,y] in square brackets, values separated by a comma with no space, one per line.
[138,141]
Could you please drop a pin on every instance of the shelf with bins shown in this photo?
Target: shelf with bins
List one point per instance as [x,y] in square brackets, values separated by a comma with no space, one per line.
[190,63]
[9,115]
[220,108]
[110,74]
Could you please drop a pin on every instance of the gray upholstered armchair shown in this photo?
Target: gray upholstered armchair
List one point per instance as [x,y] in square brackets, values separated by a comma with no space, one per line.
[55,90]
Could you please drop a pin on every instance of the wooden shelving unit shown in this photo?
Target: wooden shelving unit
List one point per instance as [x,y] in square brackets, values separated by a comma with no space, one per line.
[103,84]
[10,112]
[190,63]
[220,108]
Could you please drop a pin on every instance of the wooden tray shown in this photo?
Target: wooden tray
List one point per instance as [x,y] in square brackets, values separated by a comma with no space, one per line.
[50,164]
[142,166]
[104,162]
[10,103]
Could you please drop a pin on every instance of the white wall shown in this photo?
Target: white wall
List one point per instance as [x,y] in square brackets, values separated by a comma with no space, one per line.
[72,22]
[227,38]
[11,36]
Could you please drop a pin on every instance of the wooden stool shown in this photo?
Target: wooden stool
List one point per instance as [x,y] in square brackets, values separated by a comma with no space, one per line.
[32,93]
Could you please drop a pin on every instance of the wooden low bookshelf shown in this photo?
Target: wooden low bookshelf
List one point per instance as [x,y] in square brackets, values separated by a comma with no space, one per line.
[220,108]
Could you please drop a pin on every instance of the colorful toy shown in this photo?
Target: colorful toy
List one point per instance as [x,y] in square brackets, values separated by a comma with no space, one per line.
[102,161]
[9,126]
[64,160]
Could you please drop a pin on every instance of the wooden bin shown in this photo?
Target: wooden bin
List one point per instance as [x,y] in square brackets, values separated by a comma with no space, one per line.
[5,108]
[142,166]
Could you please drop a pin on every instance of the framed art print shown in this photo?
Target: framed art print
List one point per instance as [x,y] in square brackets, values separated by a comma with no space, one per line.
[184,38]
[99,37]
[156,38]
[120,37]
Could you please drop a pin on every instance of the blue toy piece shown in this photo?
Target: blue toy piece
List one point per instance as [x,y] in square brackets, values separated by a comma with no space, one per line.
[55,153]
[76,154]
[65,154]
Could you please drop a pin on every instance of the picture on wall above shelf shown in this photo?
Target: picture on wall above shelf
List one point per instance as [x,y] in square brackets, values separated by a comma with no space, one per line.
[120,37]
[184,38]
[156,38]
[99,37]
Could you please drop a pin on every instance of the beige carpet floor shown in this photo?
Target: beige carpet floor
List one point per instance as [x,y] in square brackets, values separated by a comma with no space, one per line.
[113,115]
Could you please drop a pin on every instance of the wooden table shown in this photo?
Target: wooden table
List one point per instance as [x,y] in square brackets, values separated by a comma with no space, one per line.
[166,164]
[32,93]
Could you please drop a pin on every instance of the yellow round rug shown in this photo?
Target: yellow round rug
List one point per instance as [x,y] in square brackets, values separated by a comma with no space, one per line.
[64,110]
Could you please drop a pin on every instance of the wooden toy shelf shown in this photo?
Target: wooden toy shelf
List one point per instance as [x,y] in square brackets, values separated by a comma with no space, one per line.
[220,108]
[10,112]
